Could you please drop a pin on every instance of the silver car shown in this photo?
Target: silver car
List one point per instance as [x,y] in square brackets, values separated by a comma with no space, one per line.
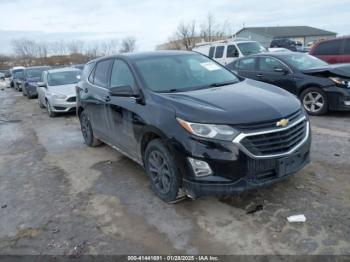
[56,90]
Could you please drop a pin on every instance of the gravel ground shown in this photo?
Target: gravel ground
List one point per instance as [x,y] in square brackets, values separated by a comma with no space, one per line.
[57,196]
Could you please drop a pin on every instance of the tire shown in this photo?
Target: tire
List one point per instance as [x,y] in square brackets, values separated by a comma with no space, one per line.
[315,101]
[162,171]
[40,104]
[87,131]
[49,110]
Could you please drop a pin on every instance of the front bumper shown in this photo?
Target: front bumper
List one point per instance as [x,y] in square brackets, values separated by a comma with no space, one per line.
[234,169]
[338,98]
[31,90]
[62,106]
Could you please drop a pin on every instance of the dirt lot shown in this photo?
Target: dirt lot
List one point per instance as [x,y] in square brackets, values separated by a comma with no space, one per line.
[57,196]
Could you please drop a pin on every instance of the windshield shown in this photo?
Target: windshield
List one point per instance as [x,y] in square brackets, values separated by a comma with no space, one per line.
[182,73]
[251,48]
[18,75]
[63,78]
[304,61]
[31,73]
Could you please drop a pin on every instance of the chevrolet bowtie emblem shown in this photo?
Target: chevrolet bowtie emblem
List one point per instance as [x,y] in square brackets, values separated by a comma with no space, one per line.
[282,123]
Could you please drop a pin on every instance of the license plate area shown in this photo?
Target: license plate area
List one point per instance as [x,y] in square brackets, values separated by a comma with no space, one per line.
[288,165]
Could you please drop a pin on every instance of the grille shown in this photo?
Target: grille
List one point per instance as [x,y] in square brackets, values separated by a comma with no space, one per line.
[71,99]
[278,142]
[268,124]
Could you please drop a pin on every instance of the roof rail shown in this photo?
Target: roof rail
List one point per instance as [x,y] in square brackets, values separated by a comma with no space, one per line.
[229,40]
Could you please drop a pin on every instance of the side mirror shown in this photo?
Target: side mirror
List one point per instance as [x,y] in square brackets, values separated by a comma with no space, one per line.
[236,54]
[281,70]
[122,90]
[41,84]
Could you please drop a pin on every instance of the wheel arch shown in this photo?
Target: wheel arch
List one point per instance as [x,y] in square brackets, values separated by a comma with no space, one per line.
[308,85]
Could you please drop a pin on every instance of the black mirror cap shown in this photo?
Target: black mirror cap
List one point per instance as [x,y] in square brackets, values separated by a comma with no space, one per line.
[122,90]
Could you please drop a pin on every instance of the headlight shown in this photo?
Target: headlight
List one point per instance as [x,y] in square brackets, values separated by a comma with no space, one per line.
[221,132]
[58,96]
[340,82]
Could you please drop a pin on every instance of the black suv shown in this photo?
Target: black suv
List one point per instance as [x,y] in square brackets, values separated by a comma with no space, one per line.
[192,123]
[286,43]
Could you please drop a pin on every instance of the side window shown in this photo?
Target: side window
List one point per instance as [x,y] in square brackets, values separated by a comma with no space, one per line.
[232,51]
[232,65]
[211,51]
[101,76]
[328,48]
[91,76]
[247,64]
[347,47]
[269,64]
[42,77]
[219,51]
[121,74]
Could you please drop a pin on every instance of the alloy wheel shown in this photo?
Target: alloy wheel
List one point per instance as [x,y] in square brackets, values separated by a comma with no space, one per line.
[160,171]
[313,102]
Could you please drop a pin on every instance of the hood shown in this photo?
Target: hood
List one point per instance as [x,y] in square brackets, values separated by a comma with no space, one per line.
[246,102]
[68,90]
[334,69]
[33,79]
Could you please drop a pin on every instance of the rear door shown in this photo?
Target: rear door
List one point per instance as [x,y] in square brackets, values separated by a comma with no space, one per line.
[273,71]
[328,51]
[246,67]
[121,110]
[97,97]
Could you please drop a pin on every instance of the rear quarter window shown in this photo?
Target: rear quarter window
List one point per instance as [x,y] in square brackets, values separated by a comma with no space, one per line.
[347,47]
[328,48]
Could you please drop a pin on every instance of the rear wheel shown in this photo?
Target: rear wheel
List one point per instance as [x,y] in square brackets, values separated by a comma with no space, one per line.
[87,131]
[314,101]
[162,171]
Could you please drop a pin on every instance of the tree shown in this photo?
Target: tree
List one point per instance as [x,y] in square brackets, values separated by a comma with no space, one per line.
[25,49]
[75,47]
[128,45]
[210,29]
[109,47]
[187,34]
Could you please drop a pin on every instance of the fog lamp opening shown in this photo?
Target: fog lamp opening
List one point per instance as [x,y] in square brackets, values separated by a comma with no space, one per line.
[200,168]
[347,103]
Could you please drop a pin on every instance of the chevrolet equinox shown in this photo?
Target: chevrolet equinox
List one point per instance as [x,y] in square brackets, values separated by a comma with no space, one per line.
[192,124]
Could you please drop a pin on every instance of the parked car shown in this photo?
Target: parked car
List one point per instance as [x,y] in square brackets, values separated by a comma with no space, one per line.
[191,123]
[2,76]
[17,79]
[32,75]
[56,90]
[13,71]
[333,51]
[287,43]
[225,52]
[320,86]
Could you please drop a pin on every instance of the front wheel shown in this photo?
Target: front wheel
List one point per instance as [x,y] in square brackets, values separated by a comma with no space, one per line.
[314,101]
[49,110]
[162,171]
[87,131]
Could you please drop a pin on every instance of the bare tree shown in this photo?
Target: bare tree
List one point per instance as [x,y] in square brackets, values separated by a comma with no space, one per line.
[59,48]
[210,29]
[92,50]
[75,47]
[186,33]
[25,49]
[128,44]
[109,47]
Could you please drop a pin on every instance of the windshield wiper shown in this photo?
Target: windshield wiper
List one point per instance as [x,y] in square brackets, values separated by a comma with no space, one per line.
[222,83]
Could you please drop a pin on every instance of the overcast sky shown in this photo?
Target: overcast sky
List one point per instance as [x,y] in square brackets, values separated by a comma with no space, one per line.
[153,21]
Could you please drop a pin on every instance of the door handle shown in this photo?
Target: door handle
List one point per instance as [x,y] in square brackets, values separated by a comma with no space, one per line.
[107,98]
[259,75]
